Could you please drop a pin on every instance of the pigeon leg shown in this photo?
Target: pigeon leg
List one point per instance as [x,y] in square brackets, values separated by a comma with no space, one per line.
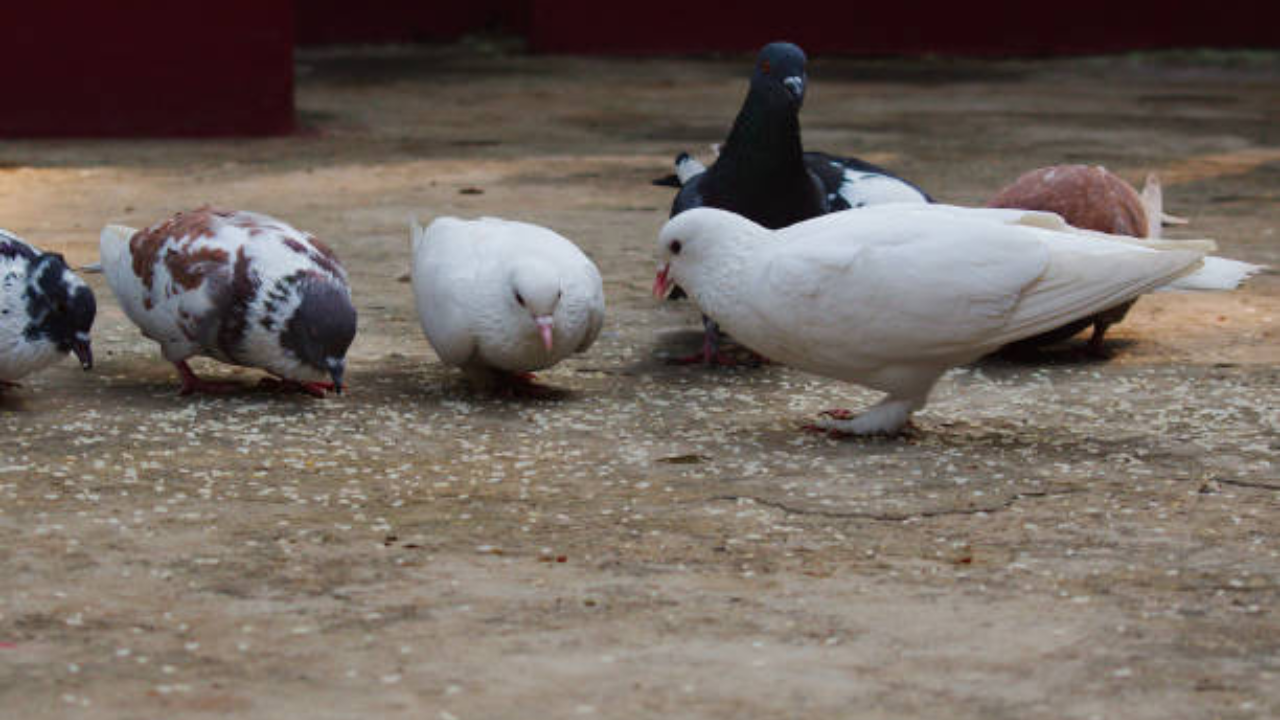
[710,353]
[283,385]
[193,384]
[1095,347]
[888,417]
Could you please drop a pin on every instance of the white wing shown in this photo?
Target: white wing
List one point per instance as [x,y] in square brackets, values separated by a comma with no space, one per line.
[941,283]
[444,272]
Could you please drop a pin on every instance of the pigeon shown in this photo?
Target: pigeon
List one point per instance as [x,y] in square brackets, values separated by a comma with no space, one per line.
[762,172]
[46,311]
[500,299]
[237,286]
[1093,199]
[892,296]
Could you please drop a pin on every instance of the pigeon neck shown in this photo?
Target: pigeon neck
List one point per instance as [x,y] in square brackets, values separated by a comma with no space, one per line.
[719,279]
[764,140]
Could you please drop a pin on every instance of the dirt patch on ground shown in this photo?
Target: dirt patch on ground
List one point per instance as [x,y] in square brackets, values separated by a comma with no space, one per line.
[1061,539]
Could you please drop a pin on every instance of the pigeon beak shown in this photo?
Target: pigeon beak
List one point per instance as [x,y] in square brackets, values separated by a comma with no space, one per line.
[336,369]
[795,86]
[546,324]
[662,284]
[84,353]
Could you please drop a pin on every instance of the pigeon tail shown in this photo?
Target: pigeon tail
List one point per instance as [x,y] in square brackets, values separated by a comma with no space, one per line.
[417,234]
[687,166]
[1215,273]
[113,243]
[1153,204]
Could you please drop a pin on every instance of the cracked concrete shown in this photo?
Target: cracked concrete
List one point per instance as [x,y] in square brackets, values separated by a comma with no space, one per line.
[1062,539]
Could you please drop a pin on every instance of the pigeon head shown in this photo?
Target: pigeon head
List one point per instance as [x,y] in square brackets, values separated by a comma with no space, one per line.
[780,75]
[535,290]
[321,328]
[703,247]
[61,307]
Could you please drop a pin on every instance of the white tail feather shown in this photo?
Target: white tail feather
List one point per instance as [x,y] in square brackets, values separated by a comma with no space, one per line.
[1153,204]
[113,243]
[687,167]
[417,233]
[1215,273]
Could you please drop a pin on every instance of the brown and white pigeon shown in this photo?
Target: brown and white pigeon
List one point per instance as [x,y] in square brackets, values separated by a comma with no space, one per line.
[46,311]
[237,286]
[1092,198]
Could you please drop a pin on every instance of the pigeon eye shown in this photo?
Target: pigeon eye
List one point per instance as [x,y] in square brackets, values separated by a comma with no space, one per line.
[519,298]
[765,67]
[675,247]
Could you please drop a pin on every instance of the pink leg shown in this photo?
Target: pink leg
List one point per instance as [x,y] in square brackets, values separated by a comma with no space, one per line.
[193,384]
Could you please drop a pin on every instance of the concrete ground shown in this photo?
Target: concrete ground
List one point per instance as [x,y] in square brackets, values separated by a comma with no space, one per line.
[1059,539]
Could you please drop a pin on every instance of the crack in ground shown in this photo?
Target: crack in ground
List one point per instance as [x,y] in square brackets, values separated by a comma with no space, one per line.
[901,517]
[1247,484]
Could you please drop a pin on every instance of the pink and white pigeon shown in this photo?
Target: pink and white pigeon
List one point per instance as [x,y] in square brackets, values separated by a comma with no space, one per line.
[237,286]
[892,296]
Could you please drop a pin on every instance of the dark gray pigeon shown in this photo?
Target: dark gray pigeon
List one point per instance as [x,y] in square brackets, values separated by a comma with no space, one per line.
[764,174]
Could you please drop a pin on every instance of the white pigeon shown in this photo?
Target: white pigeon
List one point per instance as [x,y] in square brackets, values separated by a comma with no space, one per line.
[501,299]
[46,311]
[892,296]
[240,287]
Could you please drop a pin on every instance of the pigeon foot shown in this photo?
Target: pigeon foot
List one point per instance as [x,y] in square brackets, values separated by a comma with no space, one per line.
[889,417]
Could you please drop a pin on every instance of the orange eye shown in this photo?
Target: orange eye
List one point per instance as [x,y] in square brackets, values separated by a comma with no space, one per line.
[765,67]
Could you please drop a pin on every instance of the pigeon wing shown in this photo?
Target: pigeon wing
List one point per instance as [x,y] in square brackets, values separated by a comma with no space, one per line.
[445,264]
[919,295]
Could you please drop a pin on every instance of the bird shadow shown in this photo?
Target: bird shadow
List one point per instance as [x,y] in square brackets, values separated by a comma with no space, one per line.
[1057,355]
[683,348]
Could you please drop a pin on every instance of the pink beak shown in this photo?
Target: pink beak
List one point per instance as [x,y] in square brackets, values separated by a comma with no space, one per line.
[545,326]
[662,284]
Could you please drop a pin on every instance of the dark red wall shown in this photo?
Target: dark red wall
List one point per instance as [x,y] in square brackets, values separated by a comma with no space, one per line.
[176,68]
[904,27]
[337,22]
[147,67]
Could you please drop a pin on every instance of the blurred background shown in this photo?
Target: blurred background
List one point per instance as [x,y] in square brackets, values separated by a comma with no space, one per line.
[160,68]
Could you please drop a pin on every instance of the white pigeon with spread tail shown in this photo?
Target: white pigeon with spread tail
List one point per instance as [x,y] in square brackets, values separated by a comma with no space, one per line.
[237,286]
[892,296]
[501,299]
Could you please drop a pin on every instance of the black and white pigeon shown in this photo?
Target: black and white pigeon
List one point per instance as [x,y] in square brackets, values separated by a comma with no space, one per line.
[46,311]
[237,286]
[892,296]
[763,173]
